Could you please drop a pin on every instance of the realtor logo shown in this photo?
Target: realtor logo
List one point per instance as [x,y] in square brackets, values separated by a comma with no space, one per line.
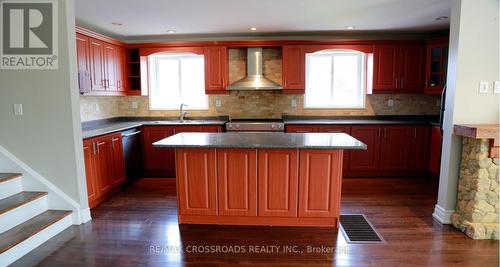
[28,34]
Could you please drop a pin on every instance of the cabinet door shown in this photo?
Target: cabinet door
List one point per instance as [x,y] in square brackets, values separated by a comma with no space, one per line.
[82,58]
[435,153]
[120,69]
[294,74]
[104,164]
[110,61]
[215,69]
[320,182]
[97,67]
[211,129]
[411,68]
[157,159]
[394,148]
[90,170]
[197,181]
[385,68]
[237,182]
[118,161]
[366,160]
[278,182]
[301,129]
[187,129]
[419,152]
[436,68]
[338,129]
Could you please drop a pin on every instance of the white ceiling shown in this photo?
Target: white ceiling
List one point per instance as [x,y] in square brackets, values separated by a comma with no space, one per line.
[143,18]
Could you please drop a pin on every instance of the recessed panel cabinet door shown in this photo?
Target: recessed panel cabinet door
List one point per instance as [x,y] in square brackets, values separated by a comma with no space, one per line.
[90,171]
[366,160]
[411,68]
[394,148]
[97,67]
[197,181]
[338,129]
[385,68]
[294,74]
[237,182]
[111,62]
[104,164]
[82,58]
[320,182]
[215,68]
[118,161]
[420,146]
[158,159]
[278,182]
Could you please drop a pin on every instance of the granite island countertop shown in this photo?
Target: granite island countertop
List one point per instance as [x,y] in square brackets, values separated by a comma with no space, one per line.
[262,140]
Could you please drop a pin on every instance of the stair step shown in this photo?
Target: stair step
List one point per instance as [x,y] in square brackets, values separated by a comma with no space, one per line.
[4,177]
[19,199]
[30,228]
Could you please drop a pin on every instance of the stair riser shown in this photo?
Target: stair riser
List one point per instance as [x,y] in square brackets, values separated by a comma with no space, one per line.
[11,187]
[22,213]
[31,243]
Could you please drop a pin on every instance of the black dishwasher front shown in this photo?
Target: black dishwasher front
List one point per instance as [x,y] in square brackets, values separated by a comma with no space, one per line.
[132,153]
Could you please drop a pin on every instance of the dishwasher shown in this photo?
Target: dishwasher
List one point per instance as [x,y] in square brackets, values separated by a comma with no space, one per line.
[132,154]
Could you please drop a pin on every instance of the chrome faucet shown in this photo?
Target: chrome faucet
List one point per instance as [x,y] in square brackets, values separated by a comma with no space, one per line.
[182,113]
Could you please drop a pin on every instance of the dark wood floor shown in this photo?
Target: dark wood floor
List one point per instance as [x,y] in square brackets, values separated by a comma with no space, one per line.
[138,227]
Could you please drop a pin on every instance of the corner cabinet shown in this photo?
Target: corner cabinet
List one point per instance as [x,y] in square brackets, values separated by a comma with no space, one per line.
[398,68]
[216,70]
[104,166]
[294,69]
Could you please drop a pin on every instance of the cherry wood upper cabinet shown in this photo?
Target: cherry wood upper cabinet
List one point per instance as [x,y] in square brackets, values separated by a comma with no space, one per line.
[411,68]
[278,182]
[320,182]
[97,67]
[398,68]
[90,171]
[436,66]
[83,63]
[197,181]
[366,160]
[110,60]
[385,68]
[237,182]
[294,73]
[394,148]
[216,72]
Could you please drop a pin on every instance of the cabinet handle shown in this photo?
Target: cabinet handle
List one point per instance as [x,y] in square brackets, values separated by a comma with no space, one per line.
[415,132]
[98,144]
[397,80]
[113,142]
[379,132]
[385,132]
[119,84]
[93,148]
[131,134]
[402,82]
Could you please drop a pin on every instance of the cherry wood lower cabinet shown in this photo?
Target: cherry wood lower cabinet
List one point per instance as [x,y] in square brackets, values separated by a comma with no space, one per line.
[160,162]
[282,187]
[104,166]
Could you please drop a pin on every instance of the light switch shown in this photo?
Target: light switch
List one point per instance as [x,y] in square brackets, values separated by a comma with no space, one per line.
[496,87]
[483,87]
[293,103]
[18,109]
[218,103]
[134,104]
[390,103]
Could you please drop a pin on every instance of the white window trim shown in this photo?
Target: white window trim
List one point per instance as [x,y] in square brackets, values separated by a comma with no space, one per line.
[156,57]
[363,74]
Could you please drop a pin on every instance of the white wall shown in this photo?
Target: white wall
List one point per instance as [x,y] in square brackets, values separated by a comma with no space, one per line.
[48,136]
[474,56]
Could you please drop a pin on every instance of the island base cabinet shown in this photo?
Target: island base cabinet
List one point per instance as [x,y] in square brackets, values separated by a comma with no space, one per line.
[320,183]
[266,187]
[196,181]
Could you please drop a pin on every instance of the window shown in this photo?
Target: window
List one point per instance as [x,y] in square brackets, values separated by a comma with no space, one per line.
[335,79]
[175,79]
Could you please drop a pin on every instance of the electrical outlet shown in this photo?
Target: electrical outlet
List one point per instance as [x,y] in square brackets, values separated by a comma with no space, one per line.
[390,103]
[134,105]
[496,87]
[18,109]
[218,103]
[293,103]
[483,87]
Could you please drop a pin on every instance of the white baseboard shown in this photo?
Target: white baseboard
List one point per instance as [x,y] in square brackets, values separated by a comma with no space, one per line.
[441,215]
[86,215]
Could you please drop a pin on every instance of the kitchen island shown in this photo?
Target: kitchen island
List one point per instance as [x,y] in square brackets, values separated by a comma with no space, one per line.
[280,179]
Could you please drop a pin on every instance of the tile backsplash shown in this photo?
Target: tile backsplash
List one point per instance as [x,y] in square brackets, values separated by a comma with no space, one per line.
[254,104]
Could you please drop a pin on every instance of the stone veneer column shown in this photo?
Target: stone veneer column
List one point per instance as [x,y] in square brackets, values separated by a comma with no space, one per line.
[478,191]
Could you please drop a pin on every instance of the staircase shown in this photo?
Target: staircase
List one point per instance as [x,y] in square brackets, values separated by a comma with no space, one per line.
[25,220]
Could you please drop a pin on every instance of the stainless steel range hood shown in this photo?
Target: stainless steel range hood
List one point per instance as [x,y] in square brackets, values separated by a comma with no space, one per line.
[255,79]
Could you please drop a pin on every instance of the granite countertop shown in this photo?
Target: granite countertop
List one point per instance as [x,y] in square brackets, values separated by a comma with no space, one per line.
[388,119]
[102,127]
[262,140]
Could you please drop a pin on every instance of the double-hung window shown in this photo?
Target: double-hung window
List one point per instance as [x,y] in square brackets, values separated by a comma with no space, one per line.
[335,79]
[177,79]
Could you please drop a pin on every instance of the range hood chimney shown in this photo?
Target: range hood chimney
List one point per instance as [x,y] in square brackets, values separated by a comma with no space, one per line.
[255,79]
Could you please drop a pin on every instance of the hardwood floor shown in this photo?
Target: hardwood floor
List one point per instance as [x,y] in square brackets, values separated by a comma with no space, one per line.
[138,227]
